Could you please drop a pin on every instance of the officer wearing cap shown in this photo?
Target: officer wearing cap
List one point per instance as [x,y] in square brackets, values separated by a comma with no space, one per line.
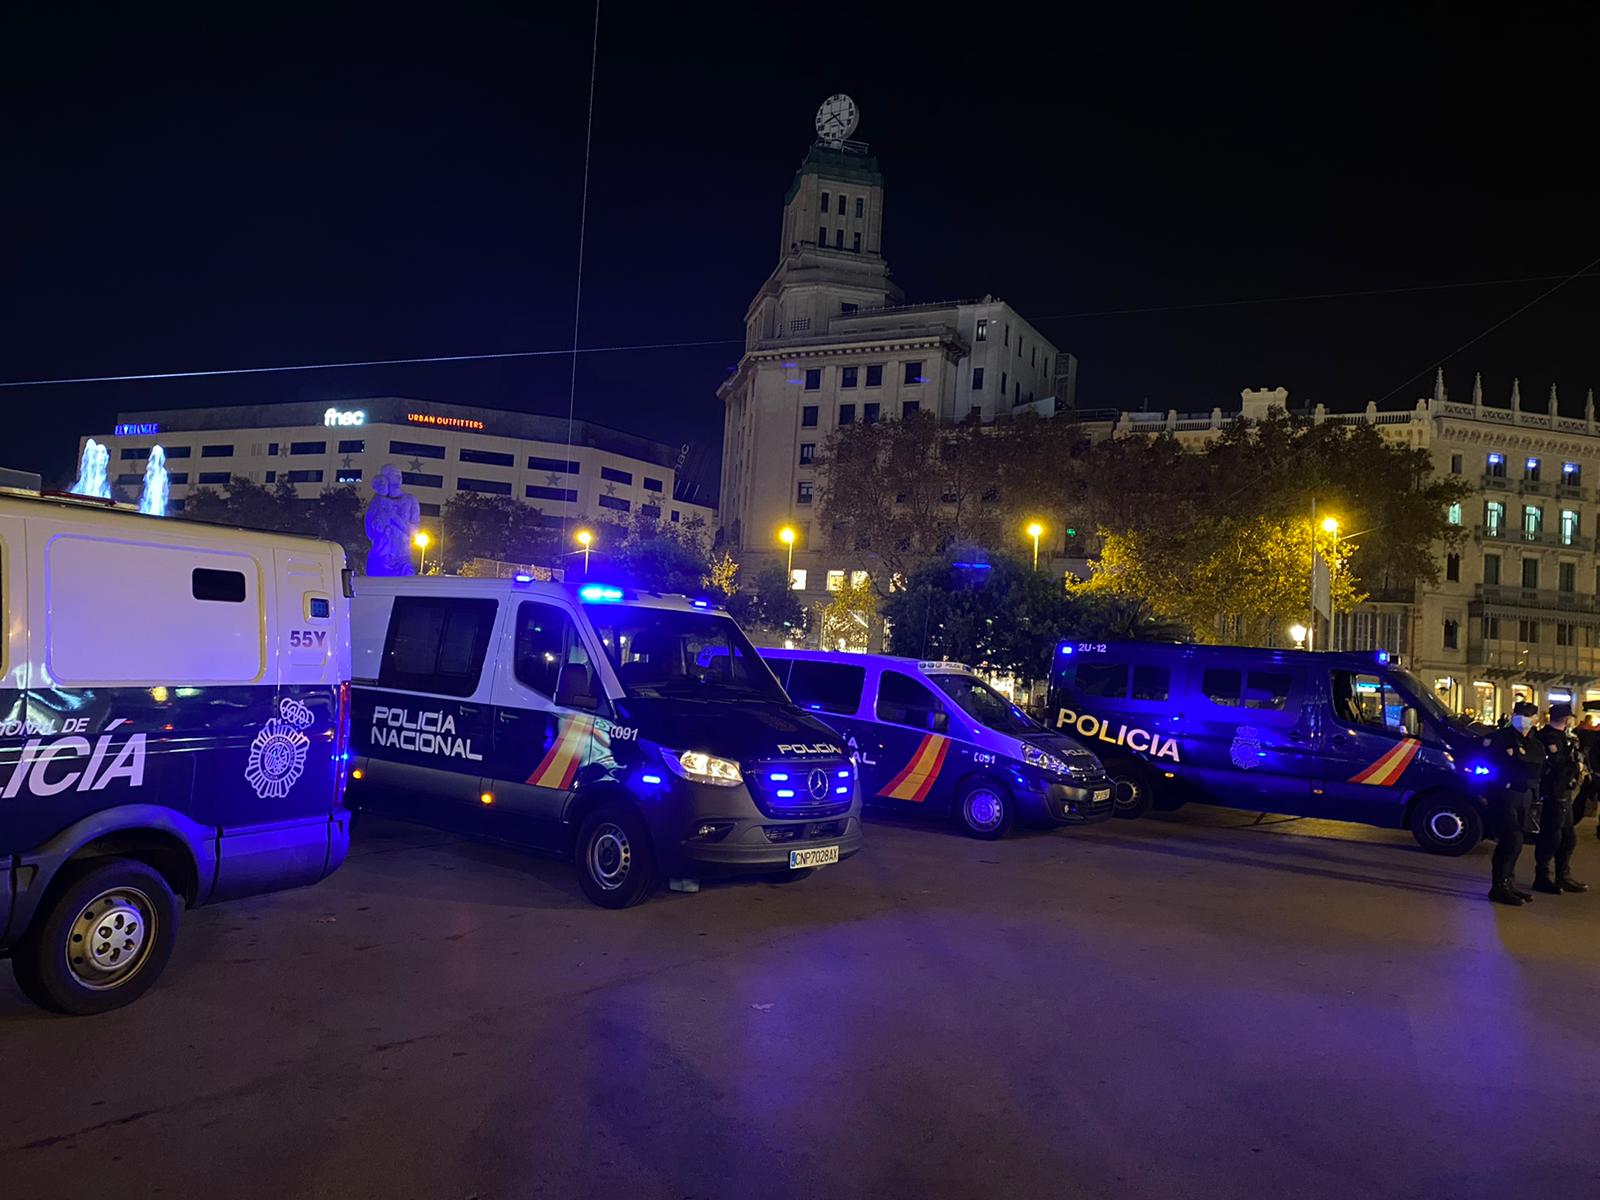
[1589,743]
[1558,789]
[1518,759]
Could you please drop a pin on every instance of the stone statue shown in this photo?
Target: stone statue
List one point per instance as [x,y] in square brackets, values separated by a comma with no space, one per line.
[393,519]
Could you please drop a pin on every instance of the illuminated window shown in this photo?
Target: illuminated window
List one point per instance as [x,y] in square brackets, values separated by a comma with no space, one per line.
[1495,466]
[858,578]
[1532,522]
[1571,473]
[1494,518]
[1530,470]
[983,332]
[803,492]
[797,579]
[1454,514]
[1569,527]
[835,581]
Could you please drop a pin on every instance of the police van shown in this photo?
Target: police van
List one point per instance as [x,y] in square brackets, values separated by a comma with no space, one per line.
[932,737]
[173,711]
[1350,737]
[639,734]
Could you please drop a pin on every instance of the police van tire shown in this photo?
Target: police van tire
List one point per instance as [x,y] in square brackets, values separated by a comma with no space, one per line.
[1133,789]
[616,863]
[103,942]
[1446,824]
[985,809]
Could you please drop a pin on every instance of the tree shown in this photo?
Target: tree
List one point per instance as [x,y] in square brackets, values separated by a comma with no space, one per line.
[495,527]
[1114,618]
[768,608]
[647,552]
[847,620]
[335,515]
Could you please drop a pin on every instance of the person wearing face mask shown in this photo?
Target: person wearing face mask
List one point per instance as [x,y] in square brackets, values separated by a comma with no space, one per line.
[1558,790]
[1518,759]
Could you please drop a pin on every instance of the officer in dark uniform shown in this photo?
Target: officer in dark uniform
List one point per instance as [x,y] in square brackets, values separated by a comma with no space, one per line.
[1518,759]
[1558,789]
[1589,743]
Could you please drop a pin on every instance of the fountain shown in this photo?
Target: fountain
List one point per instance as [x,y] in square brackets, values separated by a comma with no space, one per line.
[153,499]
[92,479]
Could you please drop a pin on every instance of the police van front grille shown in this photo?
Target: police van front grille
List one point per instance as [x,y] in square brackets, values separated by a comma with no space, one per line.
[801,788]
[803,833]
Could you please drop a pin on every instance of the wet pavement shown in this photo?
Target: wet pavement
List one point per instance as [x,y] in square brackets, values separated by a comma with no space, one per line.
[1192,1005]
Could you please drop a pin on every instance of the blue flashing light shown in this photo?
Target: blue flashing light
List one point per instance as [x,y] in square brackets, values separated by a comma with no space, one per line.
[972,566]
[844,774]
[519,578]
[785,793]
[814,707]
[1480,769]
[1066,649]
[1383,656]
[779,777]
[701,603]
[843,791]
[651,778]
[600,593]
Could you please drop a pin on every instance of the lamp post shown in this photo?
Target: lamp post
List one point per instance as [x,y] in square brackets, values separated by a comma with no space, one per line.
[786,536]
[420,541]
[585,539]
[1298,632]
[1033,530]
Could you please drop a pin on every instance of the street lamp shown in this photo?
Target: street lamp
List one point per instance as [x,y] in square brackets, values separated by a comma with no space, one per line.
[1033,530]
[585,538]
[1298,632]
[420,541]
[1330,525]
[786,536]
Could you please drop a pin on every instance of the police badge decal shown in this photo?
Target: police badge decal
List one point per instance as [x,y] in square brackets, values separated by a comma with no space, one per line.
[278,753]
[1246,750]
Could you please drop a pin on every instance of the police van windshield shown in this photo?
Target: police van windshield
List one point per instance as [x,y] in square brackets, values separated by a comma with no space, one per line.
[985,705]
[666,653]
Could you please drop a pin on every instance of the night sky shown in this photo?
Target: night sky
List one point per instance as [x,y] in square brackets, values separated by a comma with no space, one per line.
[219,189]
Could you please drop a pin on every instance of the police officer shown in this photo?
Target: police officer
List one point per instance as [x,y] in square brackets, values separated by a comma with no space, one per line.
[1558,789]
[1589,744]
[1518,759]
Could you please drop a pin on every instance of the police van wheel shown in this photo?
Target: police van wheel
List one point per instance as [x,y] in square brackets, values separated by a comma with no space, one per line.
[1448,825]
[1132,789]
[985,810]
[104,941]
[616,865]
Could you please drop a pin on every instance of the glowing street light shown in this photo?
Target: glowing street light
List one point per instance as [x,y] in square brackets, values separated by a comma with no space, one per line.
[786,536]
[1330,524]
[1033,530]
[1298,632]
[585,539]
[420,540]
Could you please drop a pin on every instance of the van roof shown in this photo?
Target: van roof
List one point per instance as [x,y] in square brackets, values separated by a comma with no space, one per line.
[1167,651]
[525,585]
[91,508]
[845,656]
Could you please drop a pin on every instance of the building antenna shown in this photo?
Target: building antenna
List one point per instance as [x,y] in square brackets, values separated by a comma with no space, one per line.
[577,298]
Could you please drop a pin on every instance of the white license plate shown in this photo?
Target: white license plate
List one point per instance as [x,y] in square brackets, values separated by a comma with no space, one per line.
[820,857]
[1102,794]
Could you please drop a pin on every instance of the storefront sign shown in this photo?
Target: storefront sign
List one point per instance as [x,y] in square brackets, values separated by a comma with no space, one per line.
[138,429]
[345,416]
[443,422]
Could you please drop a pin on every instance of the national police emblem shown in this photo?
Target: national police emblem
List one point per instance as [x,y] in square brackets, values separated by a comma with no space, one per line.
[278,753]
[1246,751]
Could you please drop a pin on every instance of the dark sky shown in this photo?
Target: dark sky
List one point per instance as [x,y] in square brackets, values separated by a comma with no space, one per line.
[240,185]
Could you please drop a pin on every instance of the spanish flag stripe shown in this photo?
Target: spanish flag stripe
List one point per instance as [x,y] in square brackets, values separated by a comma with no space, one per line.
[933,771]
[560,763]
[914,782]
[1398,765]
[1390,766]
[889,788]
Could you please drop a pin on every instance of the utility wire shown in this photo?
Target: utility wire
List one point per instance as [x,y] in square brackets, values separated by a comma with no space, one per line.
[583,227]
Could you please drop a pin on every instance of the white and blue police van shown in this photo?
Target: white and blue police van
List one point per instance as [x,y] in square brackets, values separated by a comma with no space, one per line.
[173,713]
[932,737]
[638,734]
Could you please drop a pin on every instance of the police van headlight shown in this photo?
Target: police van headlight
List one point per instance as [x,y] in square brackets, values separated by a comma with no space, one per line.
[700,767]
[1042,759]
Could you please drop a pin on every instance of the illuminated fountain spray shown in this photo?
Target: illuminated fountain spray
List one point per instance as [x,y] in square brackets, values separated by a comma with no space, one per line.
[92,479]
[153,499]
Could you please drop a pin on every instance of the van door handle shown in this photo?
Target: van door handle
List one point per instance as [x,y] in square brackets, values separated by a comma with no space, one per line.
[1338,741]
[1297,735]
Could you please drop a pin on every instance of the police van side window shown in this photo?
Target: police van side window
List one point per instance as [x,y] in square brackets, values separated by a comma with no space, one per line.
[904,701]
[1222,686]
[1268,690]
[436,644]
[1102,679]
[826,687]
[549,658]
[1151,683]
[1367,700]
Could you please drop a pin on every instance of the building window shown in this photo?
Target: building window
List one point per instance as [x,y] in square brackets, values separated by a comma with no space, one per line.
[1567,576]
[303,476]
[652,485]
[1455,464]
[540,492]
[814,379]
[846,307]
[834,581]
[847,376]
[489,487]
[1006,331]
[1491,569]
[803,492]
[1571,473]
[800,326]
[212,477]
[416,449]
[808,452]
[1532,522]
[875,375]
[838,239]
[797,579]
[840,208]
[676,516]
[1033,358]
[616,502]
[913,373]
[177,477]
[272,449]
[1452,567]
[1453,515]
[869,413]
[1494,518]
[825,196]
[559,466]
[1491,629]
[488,458]
[272,476]
[612,475]
[910,408]
[131,479]
[983,331]
[975,413]
[347,475]
[1530,470]
[218,451]
[977,379]
[135,452]
[1528,631]
[855,243]
[1530,571]
[1564,634]
[653,511]
[1569,527]
[1003,385]
[427,509]
[808,416]
[1451,635]
[1495,466]
[1016,396]
[178,451]
[421,479]
[822,235]
[353,446]
[861,206]
[847,414]
[308,447]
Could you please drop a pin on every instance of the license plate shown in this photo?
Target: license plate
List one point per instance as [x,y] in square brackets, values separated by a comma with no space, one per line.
[1102,794]
[820,857]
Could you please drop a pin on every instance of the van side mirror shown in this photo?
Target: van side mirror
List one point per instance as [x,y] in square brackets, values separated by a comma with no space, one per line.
[575,688]
[1410,721]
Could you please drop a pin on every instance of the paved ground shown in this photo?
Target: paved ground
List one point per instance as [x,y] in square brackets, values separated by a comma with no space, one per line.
[1184,1006]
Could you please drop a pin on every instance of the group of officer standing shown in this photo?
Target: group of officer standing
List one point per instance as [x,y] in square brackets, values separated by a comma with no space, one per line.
[1545,777]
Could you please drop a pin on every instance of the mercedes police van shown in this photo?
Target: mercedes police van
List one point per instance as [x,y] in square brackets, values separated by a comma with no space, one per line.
[173,708]
[932,737]
[638,733]
[1350,737]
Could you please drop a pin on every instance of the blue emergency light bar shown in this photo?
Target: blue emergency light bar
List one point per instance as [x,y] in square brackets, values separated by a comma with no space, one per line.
[599,593]
[522,579]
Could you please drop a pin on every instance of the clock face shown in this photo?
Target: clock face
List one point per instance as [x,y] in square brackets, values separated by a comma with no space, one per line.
[836,119]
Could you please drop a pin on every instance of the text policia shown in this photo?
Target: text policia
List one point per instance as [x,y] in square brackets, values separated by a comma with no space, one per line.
[1134,738]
